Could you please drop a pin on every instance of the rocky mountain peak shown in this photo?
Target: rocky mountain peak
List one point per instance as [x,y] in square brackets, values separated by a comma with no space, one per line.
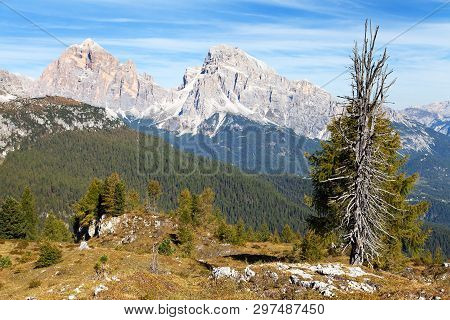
[88,73]
[90,43]
[13,85]
[232,57]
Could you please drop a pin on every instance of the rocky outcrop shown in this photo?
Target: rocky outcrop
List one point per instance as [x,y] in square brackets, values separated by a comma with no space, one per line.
[328,279]
[248,273]
[14,86]
[108,225]
[325,289]
[100,288]
[83,245]
[225,272]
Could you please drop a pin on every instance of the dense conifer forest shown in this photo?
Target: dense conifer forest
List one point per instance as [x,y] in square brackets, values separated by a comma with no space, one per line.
[59,168]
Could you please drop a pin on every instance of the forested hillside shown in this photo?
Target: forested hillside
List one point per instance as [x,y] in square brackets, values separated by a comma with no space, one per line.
[58,169]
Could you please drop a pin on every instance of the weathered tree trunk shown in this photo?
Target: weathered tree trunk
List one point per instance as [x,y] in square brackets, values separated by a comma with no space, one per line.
[363,204]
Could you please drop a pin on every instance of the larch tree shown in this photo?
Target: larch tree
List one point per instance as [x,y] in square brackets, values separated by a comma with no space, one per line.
[28,206]
[154,192]
[358,188]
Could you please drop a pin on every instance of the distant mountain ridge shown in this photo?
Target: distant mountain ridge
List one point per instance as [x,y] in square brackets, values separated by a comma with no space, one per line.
[434,115]
[27,119]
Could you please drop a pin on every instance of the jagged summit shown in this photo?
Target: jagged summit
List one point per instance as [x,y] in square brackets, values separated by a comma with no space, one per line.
[89,42]
[233,56]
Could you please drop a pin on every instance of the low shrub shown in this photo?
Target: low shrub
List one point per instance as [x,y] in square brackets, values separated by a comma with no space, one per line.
[5,262]
[311,248]
[34,284]
[100,266]
[22,244]
[48,255]
[166,248]
[26,257]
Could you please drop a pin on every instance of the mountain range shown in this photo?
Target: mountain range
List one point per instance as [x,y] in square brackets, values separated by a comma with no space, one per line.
[230,82]
[233,108]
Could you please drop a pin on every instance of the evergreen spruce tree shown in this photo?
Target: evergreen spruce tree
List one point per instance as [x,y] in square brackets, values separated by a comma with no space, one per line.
[358,188]
[206,204]
[13,222]
[184,210]
[108,195]
[154,192]
[133,200]
[241,232]
[264,233]
[275,237]
[87,208]
[112,199]
[28,206]
[119,198]
[54,229]
[287,234]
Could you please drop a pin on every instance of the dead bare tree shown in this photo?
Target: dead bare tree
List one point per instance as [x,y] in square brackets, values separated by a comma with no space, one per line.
[154,263]
[364,209]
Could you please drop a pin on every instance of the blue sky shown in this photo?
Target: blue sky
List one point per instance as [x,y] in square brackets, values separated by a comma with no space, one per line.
[302,39]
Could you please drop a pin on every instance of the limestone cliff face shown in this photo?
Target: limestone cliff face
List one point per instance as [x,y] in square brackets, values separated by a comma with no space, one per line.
[90,74]
[232,82]
[13,86]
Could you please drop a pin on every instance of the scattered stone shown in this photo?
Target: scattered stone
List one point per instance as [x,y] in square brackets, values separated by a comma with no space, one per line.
[115,278]
[83,245]
[248,273]
[224,272]
[128,239]
[355,272]
[99,289]
[328,270]
[421,298]
[360,286]
[294,279]
[436,298]
[272,275]
[324,288]
[446,264]
[91,229]
[30,298]
[72,297]
[300,273]
[157,224]
[108,226]
[282,266]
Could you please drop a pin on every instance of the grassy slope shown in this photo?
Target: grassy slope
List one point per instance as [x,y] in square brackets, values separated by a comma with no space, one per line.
[186,278]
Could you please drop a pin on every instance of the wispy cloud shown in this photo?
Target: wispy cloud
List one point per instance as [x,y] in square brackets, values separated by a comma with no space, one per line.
[300,39]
